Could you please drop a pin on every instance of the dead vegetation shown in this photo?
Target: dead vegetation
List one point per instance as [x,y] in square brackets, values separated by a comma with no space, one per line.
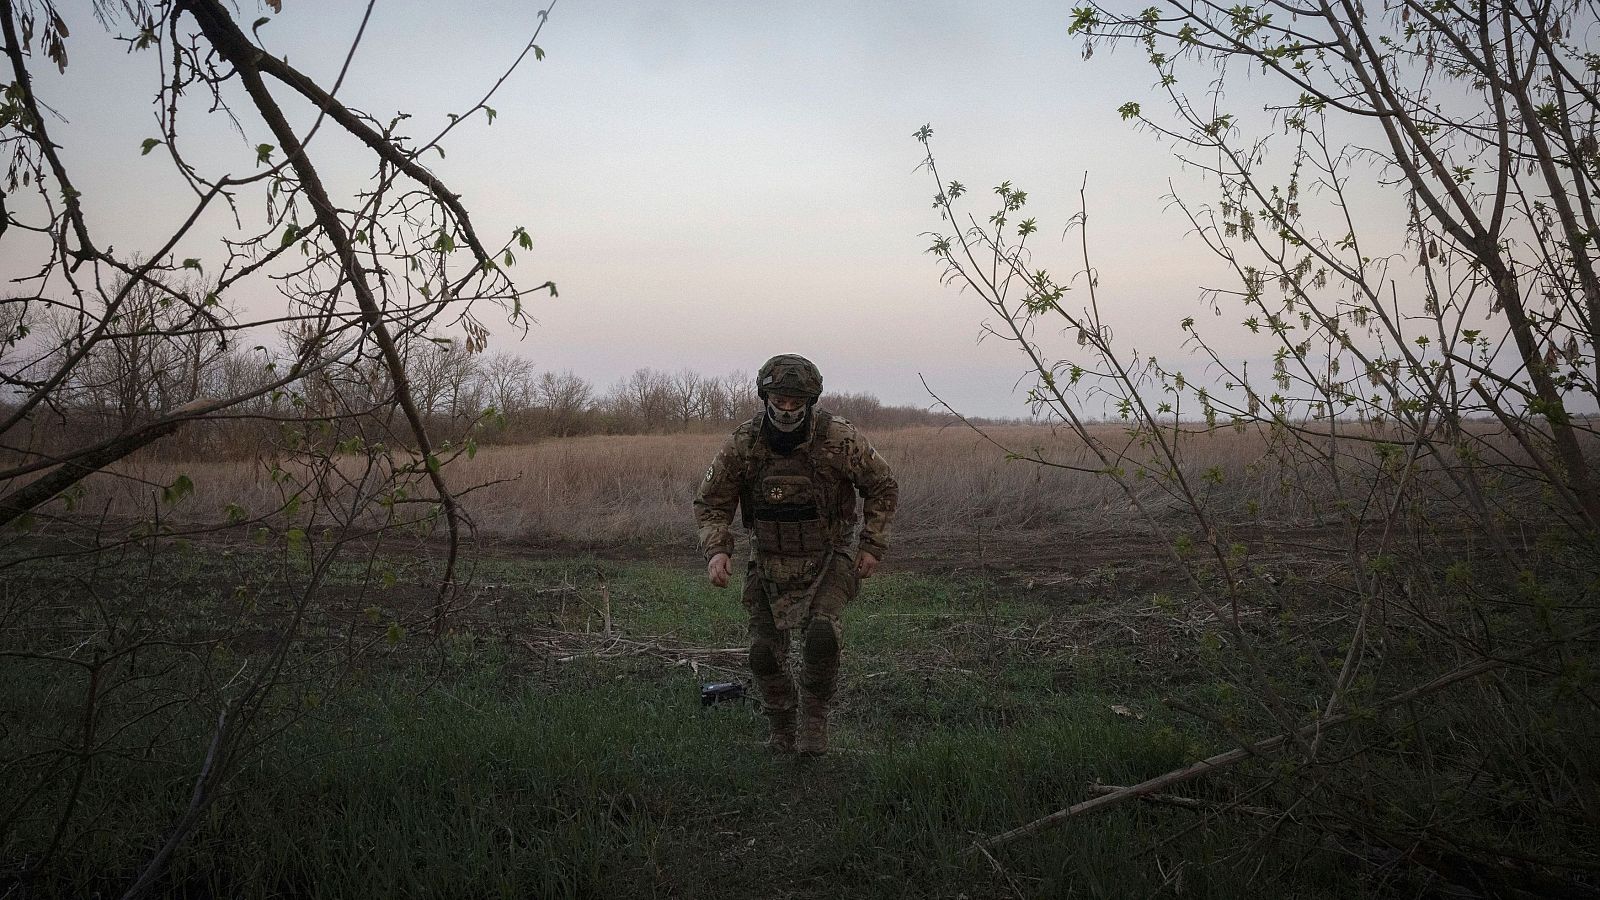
[961,497]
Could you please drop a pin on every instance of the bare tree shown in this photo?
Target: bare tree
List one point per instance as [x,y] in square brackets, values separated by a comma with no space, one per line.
[737,397]
[642,401]
[566,398]
[360,269]
[1430,371]
[686,393]
[443,378]
[508,383]
[862,408]
[149,362]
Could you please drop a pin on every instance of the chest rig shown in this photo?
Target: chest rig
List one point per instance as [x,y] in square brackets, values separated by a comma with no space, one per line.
[787,505]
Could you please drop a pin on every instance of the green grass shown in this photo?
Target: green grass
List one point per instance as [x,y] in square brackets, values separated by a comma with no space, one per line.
[475,769]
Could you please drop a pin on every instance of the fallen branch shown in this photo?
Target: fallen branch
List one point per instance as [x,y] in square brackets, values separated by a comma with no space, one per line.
[573,646]
[1189,803]
[1455,866]
[1226,759]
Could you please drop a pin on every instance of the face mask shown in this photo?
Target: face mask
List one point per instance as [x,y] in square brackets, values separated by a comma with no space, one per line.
[786,421]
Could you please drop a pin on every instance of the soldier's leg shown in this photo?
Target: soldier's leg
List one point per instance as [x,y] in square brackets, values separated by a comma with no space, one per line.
[824,632]
[769,663]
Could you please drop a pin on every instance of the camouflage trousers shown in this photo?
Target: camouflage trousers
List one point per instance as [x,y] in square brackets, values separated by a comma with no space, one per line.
[821,632]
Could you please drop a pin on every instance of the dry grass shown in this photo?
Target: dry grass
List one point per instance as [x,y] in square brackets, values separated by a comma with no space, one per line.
[951,481]
[638,488]
[959,491]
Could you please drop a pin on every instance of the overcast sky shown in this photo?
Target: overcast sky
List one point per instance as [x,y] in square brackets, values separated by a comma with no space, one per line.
[710,183]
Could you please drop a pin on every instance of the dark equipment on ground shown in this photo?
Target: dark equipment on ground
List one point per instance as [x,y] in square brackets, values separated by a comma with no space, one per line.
[720,692]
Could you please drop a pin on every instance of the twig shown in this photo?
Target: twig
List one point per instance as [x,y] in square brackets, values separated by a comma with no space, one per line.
[1004,874]
[579,646]
[199,799]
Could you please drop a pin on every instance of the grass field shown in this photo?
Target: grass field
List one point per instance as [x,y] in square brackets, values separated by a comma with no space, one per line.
[609,489]
[531,754]
[1026,640]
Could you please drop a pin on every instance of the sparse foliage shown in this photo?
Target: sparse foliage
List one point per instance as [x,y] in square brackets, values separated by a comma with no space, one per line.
[110,349]
[1409,224]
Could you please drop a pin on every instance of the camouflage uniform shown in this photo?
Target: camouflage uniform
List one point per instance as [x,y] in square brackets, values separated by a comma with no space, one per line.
[800,510]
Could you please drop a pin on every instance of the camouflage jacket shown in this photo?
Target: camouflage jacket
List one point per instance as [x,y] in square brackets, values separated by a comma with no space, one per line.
[840,463]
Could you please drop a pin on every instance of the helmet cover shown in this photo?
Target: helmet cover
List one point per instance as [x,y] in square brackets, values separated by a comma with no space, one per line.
[789,375]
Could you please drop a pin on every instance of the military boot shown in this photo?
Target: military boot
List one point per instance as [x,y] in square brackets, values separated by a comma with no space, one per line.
[780,737]
[813,738]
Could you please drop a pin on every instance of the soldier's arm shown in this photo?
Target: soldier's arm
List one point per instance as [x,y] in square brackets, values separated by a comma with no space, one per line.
[718,498]
[880,493]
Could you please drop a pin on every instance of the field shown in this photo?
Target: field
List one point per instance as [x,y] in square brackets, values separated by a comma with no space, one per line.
[632,493]
[1025,645]
[531,754]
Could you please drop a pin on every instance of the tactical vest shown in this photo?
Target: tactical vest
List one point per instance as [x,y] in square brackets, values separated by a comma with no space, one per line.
[786,506]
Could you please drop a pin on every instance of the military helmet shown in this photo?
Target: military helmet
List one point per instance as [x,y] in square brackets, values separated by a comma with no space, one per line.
[790,375]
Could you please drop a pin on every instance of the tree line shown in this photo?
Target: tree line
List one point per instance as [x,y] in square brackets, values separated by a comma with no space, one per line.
[154,365]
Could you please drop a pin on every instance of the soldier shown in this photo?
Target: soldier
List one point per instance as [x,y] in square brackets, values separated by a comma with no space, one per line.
[794,471]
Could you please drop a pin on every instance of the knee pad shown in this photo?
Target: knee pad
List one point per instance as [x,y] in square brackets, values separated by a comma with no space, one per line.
[823,639]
